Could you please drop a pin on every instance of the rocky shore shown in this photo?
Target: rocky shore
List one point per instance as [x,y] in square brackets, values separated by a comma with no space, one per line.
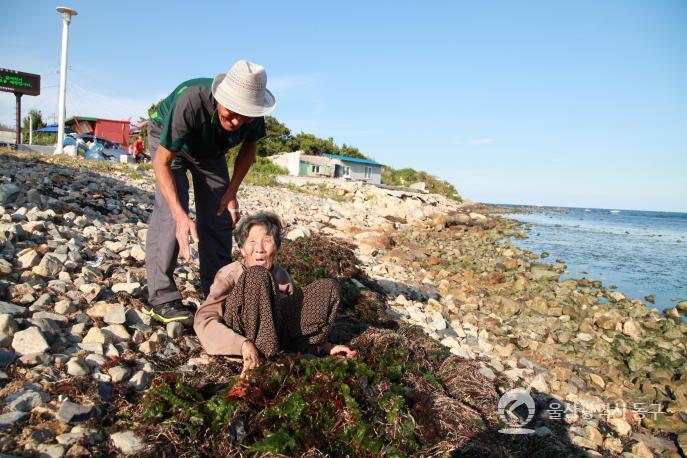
[78,356]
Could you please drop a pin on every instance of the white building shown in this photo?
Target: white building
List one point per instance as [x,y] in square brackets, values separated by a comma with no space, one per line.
[329,165]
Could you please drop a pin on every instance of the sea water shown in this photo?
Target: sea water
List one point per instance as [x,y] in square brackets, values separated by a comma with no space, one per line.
[641,252]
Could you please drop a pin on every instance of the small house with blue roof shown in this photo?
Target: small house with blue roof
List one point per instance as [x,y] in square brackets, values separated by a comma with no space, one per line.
[330,166]
[354,168]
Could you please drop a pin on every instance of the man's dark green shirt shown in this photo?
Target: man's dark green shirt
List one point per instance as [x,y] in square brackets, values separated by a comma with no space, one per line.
[190,124]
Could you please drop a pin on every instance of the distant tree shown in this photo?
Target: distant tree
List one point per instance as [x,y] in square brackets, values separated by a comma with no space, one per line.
[350,151]
[36,117]
[310,144]
[277,139]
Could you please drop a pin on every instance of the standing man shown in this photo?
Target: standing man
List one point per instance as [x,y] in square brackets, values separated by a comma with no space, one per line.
[192,130]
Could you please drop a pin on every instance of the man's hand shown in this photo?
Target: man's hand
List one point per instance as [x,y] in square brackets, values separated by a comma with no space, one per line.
[342,350]
[251,356]
[185,227]
[230,203]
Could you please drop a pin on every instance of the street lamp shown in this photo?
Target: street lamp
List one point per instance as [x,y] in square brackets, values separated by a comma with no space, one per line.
[67,14]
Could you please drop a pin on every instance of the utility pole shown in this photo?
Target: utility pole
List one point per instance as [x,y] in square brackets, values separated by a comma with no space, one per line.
[30,129]
[67,14]
[17,137]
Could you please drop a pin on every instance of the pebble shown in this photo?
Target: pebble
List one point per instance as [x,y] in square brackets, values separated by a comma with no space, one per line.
[129,288]
[175,329]
[115,314]
[27,401]
[70,411]
[29,341]
[119,373]
[127,442]
[620,426]
[76,368]
[10,418]
[50,450]
[139,380]
[95,335]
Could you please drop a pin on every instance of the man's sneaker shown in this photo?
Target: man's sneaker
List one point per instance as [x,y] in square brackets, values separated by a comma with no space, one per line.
[170,311]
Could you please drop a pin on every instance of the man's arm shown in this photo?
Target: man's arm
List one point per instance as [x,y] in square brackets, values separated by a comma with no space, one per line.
[162,167]
[242,164]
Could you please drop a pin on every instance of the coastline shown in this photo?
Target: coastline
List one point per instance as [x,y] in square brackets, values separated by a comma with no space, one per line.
[446,267]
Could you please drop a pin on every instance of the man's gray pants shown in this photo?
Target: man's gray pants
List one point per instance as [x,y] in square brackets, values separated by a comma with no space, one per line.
[210,180]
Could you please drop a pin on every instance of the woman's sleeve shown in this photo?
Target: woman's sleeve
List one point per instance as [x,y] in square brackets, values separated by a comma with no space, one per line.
[216,337]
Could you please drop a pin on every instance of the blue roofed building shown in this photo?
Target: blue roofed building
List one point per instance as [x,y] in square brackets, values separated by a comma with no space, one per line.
[330,166]
[354,168]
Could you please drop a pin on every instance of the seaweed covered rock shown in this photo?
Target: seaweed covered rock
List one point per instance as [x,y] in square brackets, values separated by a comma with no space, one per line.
[310,258]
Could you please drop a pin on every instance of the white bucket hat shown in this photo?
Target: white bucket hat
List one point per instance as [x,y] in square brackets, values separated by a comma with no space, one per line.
[243,89]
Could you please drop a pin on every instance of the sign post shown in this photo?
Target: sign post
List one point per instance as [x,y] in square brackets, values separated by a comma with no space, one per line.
[19,83]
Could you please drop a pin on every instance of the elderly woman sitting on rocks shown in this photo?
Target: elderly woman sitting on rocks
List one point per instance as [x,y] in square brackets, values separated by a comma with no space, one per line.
[255,309]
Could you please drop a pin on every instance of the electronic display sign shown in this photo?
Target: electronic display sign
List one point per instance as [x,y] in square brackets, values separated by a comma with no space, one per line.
[19,82]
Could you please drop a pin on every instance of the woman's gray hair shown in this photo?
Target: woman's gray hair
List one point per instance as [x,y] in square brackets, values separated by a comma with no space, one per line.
[270,221]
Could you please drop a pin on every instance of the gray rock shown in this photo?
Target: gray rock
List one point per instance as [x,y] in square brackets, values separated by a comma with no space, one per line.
[134,316]
[27,401]
[50,266]
[138,253]
[10,418]
[9,193]
[95,335]
[64,307]
[119,373]
[7,324]
[11,309]
[95,360]
[129,288]
[92,347]
[76,368]
[45,299]
[29,341]
[175,329]
[27,259]
[127,442]
[69,438]
[50,316]
[115,315]
[6,357]
[50,451]
[487,373]
[139,380]
[70,411]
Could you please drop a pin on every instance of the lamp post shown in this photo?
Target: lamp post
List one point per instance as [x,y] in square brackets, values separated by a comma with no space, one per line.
[67,14]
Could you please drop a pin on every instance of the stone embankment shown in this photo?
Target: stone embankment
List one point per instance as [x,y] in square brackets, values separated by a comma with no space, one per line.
[72,286]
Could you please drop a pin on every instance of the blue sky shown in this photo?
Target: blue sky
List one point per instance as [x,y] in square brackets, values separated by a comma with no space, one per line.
[578,103]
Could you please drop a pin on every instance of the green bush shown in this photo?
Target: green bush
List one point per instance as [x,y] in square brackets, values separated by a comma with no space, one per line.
[408,176]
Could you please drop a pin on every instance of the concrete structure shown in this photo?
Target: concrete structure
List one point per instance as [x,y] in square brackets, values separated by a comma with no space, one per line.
[7,135]
[329,165]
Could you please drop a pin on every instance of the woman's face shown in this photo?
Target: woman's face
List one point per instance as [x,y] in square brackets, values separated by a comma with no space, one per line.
[259,249]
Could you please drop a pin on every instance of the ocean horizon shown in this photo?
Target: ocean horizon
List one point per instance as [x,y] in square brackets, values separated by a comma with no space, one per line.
[642,253]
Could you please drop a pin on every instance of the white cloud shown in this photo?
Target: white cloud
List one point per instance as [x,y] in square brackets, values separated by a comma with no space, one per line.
[476,141]
[482,141]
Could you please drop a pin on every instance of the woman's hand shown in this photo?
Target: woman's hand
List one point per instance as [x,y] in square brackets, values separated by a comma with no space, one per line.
[342,350]
[251,356]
